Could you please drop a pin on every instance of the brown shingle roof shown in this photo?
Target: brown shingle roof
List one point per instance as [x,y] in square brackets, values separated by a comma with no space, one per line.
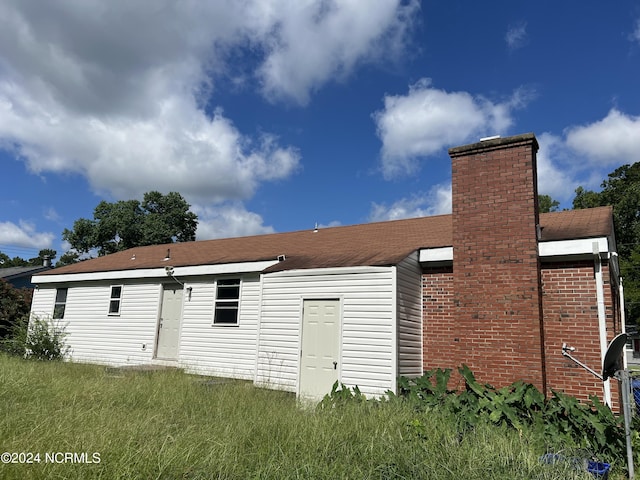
[587,223]
[375,244]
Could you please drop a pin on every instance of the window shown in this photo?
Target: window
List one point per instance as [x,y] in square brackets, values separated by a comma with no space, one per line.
[114,300]
[227,302]
[61,303]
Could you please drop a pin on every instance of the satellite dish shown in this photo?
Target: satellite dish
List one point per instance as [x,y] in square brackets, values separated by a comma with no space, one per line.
[613,358]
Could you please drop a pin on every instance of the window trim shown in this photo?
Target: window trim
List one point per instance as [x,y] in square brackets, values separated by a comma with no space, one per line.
[60,304]
[226,301]
[113,299]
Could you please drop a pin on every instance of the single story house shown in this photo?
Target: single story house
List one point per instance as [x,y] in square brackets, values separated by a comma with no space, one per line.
[494,285]
[20,277]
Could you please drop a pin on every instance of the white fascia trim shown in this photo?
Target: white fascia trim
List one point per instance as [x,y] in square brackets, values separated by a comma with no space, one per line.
[308,272]
[442,254]
[583,246]
[222,269]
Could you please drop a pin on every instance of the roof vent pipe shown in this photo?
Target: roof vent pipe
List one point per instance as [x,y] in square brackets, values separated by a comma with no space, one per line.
[46,261]
[168,257]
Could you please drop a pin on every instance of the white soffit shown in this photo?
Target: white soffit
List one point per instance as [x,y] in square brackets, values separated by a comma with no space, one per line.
[222,269]
[559,248]
[583,246]
[442,254]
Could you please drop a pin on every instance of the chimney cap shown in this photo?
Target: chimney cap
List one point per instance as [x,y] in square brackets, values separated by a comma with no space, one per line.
[486,139]
[494,143]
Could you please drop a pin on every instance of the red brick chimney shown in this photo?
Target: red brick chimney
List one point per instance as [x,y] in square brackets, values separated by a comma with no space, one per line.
[496,269]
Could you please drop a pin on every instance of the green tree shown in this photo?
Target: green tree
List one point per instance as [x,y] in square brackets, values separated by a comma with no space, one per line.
[586,199]
[622,191]
[7,262]
[125,224]
[68,258]
[547,204]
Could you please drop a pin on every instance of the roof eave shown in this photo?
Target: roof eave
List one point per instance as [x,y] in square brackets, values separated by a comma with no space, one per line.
[157,273]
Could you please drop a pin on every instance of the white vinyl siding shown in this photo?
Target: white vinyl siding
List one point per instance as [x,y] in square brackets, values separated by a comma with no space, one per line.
[367,350]
[214,350]
[380,324]
[43,302]
[95,337]
[409,298]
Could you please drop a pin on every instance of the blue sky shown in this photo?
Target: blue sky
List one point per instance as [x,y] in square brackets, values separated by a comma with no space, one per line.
[272,115]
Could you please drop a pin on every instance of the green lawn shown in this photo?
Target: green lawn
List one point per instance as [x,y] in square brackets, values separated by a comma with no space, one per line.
[169,425]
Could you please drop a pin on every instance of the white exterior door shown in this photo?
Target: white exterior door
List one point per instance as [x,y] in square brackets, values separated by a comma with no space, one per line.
[320,355]
[169,323]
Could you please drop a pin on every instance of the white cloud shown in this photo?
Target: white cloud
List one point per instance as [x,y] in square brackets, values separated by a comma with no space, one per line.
[24,235]
[332,223]
[114,90]
[314,42]
[612,141]
[585,154]
[52,215]
[516,36]
[179,149]
[228,220]
[427,120]
[555,168]
[635,36]
[436,202]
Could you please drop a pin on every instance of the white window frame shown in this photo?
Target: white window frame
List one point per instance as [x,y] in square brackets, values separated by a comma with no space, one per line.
[58,304]
[113,299]
[227,303]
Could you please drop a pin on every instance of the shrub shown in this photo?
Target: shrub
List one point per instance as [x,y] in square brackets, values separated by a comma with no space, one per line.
[340,395]
[38,339]
[561,419]
[14,304]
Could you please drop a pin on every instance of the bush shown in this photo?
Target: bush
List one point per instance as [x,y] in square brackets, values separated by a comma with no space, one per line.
[38,339]
[15,303]
[561,419]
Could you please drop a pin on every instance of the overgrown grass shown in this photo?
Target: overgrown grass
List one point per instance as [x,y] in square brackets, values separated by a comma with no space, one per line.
[169,425]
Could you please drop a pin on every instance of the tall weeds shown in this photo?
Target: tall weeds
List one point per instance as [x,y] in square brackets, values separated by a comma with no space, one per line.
[169,425]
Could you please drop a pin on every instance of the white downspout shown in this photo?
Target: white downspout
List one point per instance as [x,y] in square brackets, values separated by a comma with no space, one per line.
[602,317]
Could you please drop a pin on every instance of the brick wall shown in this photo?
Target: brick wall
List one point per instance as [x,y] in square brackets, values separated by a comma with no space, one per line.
[439,321]
[496,281]
[571,316]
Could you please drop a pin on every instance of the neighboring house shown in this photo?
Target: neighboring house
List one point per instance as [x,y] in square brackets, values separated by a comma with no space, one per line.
[20,277]
[494,285]
[633,345]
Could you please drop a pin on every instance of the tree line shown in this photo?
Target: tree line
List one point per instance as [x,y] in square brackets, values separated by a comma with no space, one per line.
[116,226]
